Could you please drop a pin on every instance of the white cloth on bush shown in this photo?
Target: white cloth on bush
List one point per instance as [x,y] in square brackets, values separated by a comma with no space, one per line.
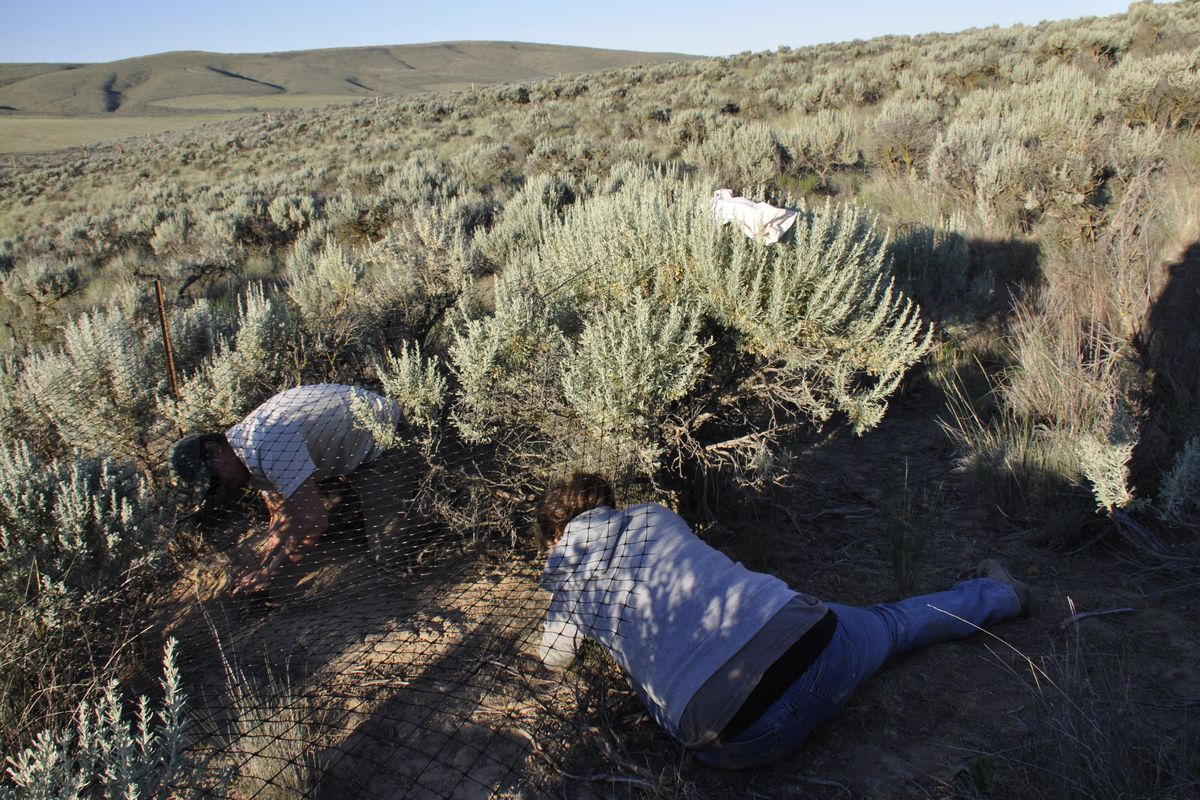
[760,221]
[309,431]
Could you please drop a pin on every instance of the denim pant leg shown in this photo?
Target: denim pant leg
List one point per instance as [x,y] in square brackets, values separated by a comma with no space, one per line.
[864,639]
[887,629]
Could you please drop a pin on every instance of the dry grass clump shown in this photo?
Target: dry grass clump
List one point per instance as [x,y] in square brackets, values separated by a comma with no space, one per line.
[1093,737]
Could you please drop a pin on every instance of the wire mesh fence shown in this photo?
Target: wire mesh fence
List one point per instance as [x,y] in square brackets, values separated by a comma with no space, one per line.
[325,492]
[380,641]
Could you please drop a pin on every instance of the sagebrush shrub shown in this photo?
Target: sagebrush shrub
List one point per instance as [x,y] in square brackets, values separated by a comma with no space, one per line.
[1179,493]
[524,216]
[292,213]
[247,365]
[1104,459]
[1158,90]
[418,268]
[747,158]
[822,143]
[903,132]
[415,382]
[104,754]
[930,262]
[601,325]
[628,365]
[98,392]
[984,163]
[72,521]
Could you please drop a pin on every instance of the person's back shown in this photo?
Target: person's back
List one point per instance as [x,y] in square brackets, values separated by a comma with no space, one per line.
[671,609]
[309,431]
[733,664]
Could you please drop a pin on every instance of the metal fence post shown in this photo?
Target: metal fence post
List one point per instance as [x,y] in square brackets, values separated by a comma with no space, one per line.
[166,334]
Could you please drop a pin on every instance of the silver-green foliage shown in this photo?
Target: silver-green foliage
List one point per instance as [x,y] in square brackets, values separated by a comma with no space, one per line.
[105,755]
[415,382]
[1104,460]
[98,391]
[326,289]
[628,365]
[823,142]
[419,267]
[246,365]
[820,315]
[903,132]
[69,521]
[501,360]
[1158,90]
[745,157]
[525,216]
[1179,494]
[600,328]
[983,162]
[930,262]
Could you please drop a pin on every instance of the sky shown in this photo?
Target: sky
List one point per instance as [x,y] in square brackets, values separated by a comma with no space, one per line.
[105,30]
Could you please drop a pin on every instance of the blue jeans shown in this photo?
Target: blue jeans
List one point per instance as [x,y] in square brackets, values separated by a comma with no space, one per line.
[864,639]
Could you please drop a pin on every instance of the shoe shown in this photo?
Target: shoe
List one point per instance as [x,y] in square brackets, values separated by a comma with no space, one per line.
[993,569]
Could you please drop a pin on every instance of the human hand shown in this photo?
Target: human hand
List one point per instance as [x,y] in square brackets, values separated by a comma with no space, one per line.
[251,582]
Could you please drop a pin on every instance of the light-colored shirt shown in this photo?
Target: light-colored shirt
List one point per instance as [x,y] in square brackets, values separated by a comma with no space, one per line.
[309,431]
[671,610]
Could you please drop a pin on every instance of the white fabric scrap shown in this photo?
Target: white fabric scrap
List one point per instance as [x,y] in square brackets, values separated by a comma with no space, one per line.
[760,221]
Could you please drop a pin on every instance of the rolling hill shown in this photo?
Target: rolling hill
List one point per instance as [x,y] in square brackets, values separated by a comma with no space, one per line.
[191,82]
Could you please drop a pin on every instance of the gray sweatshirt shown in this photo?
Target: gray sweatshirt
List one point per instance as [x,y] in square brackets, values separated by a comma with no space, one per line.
[670,609]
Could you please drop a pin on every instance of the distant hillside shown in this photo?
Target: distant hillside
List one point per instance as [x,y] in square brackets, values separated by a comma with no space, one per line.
[200,81]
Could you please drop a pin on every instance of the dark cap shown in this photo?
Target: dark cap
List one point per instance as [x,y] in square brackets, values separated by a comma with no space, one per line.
[189,465]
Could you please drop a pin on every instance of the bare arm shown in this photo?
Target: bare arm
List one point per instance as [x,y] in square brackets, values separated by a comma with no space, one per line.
[296,522]
[560,639]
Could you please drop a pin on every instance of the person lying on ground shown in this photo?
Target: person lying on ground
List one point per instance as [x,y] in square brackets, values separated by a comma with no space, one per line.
[733,664]
[283,448]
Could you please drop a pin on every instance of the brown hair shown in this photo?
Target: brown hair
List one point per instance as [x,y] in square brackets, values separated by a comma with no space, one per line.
[567,499]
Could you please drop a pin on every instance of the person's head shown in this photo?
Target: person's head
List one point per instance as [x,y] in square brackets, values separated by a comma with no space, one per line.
[567,499]
[206,465]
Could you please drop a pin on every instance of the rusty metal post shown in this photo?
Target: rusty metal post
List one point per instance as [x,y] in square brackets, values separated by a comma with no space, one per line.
[166,333]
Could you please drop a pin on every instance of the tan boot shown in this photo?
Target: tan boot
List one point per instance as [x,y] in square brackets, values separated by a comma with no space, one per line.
[993,569]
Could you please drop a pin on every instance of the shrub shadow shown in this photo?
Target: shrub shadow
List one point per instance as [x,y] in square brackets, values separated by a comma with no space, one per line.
[1169,344]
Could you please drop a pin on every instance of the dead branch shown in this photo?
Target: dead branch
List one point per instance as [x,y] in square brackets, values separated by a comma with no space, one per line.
[1075,618]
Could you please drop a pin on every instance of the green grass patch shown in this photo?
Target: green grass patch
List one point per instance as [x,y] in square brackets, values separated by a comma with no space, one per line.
[42,134]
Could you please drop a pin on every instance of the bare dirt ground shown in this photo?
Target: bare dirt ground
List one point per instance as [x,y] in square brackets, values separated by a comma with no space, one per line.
[416,677]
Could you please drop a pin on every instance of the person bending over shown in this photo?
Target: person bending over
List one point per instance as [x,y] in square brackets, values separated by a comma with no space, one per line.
[283,448]
[733,664]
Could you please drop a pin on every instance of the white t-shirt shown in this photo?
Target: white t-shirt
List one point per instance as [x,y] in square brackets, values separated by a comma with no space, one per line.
[309,431]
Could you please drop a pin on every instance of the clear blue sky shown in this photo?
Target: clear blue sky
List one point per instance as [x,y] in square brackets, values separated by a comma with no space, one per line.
[107,30]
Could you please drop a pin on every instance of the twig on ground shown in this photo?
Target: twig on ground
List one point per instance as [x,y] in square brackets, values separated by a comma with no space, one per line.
[839,785]
[852,512]
[1075,618]
[597,777]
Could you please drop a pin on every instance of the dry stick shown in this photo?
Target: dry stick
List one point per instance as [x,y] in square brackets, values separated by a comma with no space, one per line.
[606,777]
[1074,618]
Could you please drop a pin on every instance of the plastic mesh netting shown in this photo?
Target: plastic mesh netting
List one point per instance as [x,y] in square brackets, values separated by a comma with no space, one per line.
[386,645]
[324,489]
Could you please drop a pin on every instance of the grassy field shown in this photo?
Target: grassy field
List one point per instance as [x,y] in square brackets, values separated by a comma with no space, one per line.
[43,134]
